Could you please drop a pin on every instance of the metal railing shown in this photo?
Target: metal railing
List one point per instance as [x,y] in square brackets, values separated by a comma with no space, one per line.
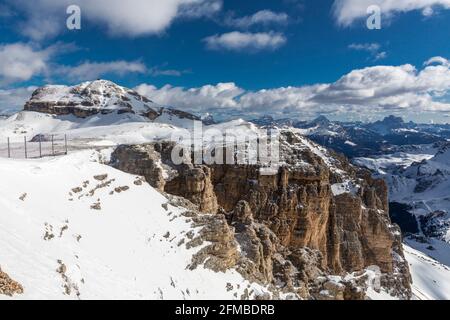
[38,147]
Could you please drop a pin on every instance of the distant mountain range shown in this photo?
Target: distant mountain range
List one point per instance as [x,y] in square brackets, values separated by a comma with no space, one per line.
[358,139]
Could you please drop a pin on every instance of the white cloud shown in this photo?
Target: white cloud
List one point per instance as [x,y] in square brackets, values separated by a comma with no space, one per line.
[46,18]
[437,60]
[199,8]
[38,28]
[428,11]
[380,55]
[13,100]
[263,17]
[372,48]
[348,11]
[94,70]
[364,91]
[222,95]
[21,62]
[238,41]
[163,71]
[89,70]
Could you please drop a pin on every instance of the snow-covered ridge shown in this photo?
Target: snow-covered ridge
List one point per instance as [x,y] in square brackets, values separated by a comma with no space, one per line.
[60,219]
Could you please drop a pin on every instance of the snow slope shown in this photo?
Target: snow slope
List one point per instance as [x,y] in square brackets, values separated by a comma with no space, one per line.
[97,243]
[431,279]
[30,124]
[420,178]
[392,161]
[424,184]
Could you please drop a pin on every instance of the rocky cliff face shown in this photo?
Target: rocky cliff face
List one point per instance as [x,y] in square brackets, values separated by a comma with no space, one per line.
[317,216]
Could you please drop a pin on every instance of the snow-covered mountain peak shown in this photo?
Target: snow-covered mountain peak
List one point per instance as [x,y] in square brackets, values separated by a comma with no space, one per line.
[89,98]
[387,125]
[320,121]
[443,155]
[102,102]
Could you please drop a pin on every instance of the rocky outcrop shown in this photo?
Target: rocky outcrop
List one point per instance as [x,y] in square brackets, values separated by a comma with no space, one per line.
[8,286]
[291,227]
[85,100]
[435,225]
[153,161]
[98,97]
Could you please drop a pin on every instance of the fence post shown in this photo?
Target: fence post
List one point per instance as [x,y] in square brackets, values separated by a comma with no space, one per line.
[40,146]
[9,149]
[65,142]
[25,142]
[53,147]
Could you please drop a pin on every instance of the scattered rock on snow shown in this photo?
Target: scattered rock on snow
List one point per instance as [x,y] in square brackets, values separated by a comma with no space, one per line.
[8,286]
[96,206]
[101,177]
[121,189]
[77,190]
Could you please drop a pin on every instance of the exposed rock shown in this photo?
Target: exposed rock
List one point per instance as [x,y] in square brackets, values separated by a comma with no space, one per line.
[153,161]
[143,160]
[290,226]
[96,206]
[101,177]
[68,285]
[77,190]
[8,286]
[435,225]
[121,189]
[222,253]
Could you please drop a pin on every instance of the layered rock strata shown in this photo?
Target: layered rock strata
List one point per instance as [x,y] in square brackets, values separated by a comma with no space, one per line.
[317,216]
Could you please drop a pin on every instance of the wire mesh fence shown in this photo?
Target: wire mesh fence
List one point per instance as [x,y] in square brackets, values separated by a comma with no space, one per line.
[37,147]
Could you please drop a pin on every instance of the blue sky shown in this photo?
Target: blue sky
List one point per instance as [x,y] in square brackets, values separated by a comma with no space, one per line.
[238,58]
